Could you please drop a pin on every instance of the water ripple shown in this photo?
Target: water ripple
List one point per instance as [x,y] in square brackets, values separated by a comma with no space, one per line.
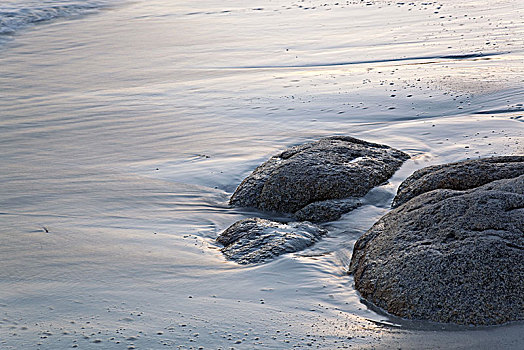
[469,56]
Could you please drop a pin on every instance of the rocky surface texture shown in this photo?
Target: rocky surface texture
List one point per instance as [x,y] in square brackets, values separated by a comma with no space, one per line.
[328,210]
[317,173]
[459,176]
[449,255]
[257,240]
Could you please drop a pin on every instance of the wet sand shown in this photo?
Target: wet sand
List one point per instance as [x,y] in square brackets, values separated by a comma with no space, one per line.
[125,132]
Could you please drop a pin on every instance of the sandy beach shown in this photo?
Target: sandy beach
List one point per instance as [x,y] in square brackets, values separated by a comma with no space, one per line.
[126,127]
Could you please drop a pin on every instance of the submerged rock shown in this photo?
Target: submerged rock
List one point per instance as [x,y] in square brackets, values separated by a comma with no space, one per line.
[257,240]
[332,168]
[459,176]
[448,256]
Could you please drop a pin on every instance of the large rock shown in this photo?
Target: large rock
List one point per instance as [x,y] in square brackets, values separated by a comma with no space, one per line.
[459,176]
[257,240]
[332,168]
[448,256]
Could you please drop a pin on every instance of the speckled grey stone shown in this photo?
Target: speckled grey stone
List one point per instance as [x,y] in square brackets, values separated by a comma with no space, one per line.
[448,256]
[459,176]
[257,240]
[328,210]
[336,167]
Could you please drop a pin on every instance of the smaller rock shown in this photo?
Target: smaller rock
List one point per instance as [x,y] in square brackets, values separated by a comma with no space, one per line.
[459,176]
[316,175]
[329,210]
[257,240]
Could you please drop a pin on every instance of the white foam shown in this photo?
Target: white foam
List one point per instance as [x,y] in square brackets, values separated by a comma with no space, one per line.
[16,15]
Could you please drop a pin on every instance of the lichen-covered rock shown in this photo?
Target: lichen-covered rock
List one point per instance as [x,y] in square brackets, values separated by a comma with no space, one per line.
[448,256]
[257,240]
[336,167]
[459,176]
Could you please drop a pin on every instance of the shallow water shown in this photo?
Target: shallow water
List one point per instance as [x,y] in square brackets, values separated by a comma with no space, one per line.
[124,132]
